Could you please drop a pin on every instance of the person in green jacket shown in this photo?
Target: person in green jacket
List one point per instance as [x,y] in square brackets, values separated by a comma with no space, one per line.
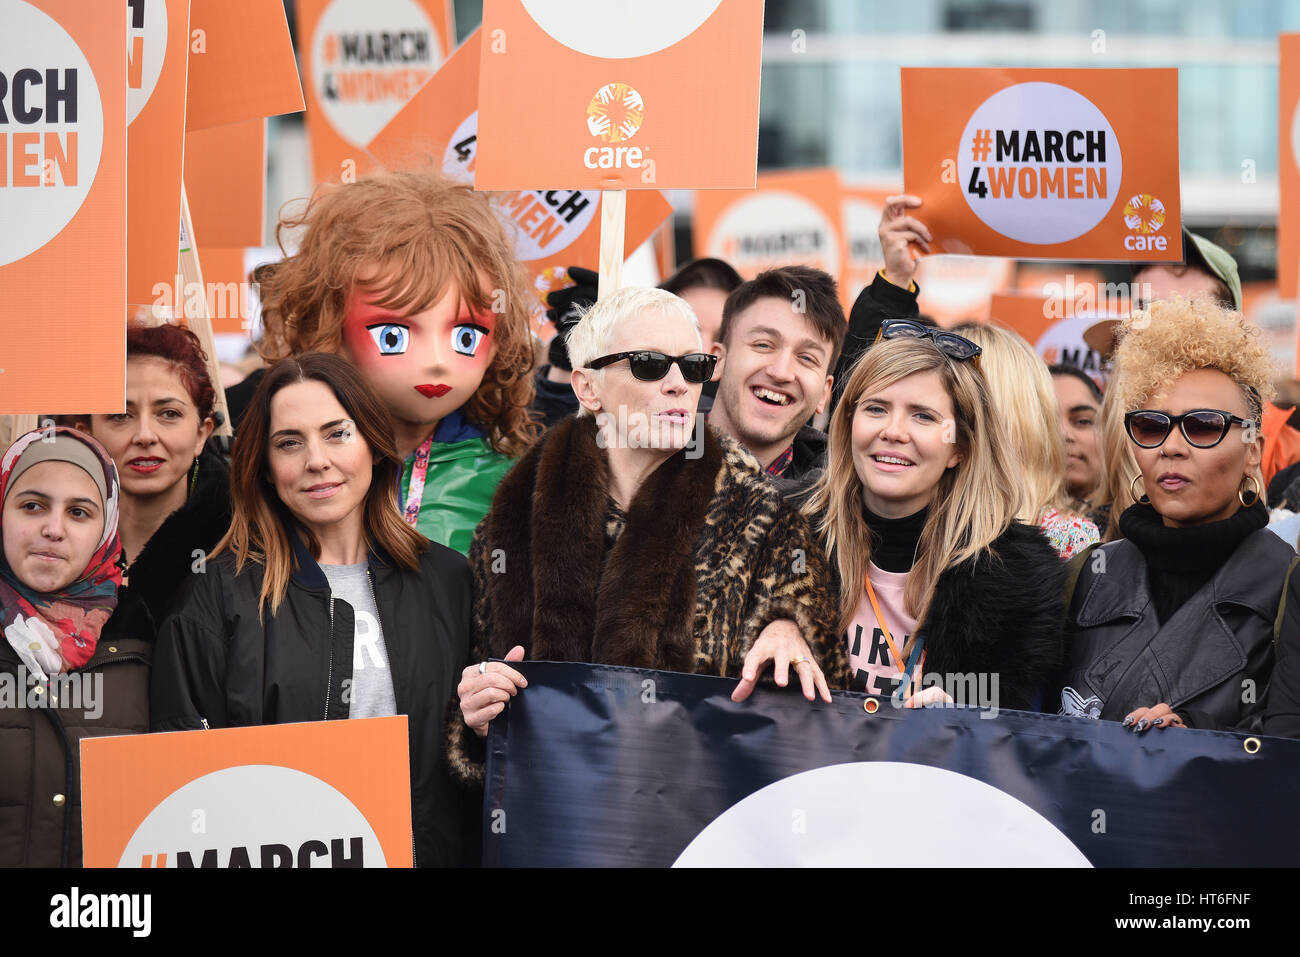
[411,277]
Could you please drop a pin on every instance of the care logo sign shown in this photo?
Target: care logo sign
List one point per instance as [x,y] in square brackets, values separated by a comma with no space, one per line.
[365,60]
[320,794]
[619,94]
[550,227]
[1045,164]
[51,129]
[790,218]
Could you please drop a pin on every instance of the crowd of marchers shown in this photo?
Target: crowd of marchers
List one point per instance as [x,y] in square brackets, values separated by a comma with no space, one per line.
[716,476]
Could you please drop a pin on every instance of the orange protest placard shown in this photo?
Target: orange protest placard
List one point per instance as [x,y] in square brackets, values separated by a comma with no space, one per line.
[241,63]
[1055,323]
[363,60]
[551,228]
[317,794]
[225,177]
[158,33]
[1288,163]
[63,199]
[619,96]
[1045,164]
[793,217]
[863,207]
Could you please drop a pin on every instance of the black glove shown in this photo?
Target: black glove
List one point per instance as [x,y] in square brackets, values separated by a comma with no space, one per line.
[566,306]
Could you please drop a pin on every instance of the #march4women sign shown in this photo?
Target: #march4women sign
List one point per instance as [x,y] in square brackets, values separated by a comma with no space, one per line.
[63,119]
[1045,164]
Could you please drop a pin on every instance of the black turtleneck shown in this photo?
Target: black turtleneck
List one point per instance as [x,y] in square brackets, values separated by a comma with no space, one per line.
[1181,560]
[894,540]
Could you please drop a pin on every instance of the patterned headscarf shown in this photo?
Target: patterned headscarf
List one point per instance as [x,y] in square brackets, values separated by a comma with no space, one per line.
[57,631]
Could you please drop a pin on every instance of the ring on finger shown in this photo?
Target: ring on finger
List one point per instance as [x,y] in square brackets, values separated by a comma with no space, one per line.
[482,667]
[801,660]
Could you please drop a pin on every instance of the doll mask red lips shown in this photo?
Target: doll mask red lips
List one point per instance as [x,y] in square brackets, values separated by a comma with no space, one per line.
[433,391]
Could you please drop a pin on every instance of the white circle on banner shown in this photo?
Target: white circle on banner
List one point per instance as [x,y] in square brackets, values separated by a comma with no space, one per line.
[775,228]
[1295,136]
[148,44]
[369,57]
[618,29]
[862,223]
[462,150]
[249,806]
[847,815]
[1014,203]
[37,212]
[542,222]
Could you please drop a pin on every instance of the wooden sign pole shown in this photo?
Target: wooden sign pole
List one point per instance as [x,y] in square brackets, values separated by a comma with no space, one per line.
[613,220]
[195,310]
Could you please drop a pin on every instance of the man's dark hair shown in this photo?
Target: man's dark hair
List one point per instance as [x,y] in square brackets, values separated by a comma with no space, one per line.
[1066,369]
[799,286]
[702,274]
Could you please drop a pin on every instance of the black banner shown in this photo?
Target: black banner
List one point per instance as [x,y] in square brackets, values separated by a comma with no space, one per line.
[604,766]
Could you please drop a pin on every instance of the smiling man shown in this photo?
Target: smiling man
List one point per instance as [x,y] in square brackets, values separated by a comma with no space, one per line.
[780,335]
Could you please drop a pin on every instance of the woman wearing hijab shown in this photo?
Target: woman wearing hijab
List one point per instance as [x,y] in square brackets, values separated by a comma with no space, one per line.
[59,683]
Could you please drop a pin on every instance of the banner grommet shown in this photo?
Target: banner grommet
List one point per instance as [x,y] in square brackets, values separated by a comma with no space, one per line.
[1252,745]
[871,705]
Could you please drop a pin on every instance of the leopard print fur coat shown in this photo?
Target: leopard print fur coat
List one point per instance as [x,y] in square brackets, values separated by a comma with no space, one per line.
[709,556]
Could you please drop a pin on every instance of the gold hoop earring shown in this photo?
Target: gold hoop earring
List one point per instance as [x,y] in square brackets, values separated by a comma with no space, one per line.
[1144,500]
[1241,497]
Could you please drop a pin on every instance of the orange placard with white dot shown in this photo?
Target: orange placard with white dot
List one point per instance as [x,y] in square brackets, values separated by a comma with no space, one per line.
[1045,163]
[619,94]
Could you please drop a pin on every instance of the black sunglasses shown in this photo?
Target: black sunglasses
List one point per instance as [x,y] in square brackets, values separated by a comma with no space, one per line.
[653,366]
[949,343]
[1202,428]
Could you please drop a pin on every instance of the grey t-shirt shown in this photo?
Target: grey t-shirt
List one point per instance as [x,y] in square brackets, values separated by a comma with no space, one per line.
[371,689]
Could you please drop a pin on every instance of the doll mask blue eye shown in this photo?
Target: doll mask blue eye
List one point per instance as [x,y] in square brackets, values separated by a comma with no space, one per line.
[465,338]
[390,339]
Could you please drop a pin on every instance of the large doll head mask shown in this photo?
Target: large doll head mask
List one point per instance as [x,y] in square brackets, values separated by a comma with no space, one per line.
[410,276]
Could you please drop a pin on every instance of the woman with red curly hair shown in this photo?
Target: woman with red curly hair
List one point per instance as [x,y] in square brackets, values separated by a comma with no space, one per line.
[175,486]
[410,277]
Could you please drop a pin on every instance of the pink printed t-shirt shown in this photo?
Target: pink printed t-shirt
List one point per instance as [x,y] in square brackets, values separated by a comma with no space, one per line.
[869,657]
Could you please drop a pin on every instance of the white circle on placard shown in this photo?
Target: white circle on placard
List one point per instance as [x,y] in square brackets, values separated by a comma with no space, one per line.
[249,806]
[862,222]
[543,222]
[1063,343]
[458,160]
[775,228]
[150,44]
[844,816]
[1037,218]
[369,57]
[33,214]
[619,29]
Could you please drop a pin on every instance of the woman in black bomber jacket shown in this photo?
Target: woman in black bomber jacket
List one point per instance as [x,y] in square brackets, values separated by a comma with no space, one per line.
[1172,626]
[937,580]
[322,603]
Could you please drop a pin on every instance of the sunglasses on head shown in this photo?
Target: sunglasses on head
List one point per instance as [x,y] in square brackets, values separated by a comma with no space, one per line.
[949,343]
[652,366]
[1202,428]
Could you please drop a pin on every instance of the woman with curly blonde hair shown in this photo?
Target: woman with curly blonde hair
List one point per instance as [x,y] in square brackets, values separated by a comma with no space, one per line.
[1173,625]
[411,277]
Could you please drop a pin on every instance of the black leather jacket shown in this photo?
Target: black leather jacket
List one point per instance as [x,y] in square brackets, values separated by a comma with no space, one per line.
[216,663]
[1210,661]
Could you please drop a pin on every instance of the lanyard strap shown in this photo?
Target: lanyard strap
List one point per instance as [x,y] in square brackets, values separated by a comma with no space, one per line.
[415,488]
[906,669]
